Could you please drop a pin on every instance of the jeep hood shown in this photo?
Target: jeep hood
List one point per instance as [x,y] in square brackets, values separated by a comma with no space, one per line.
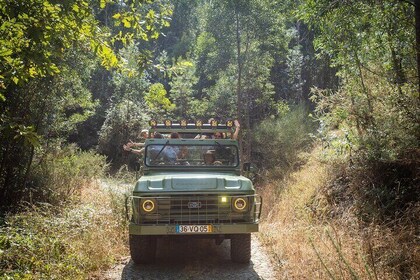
[167,182]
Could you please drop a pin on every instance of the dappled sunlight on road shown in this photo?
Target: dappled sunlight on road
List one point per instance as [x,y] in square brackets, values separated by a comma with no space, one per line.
[196,259]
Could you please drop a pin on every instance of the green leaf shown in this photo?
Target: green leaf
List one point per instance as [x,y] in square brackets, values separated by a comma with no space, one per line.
[53,69]
[32,72]
[5,52]
[75,8]
[126,23]
[151,14]
[27,133]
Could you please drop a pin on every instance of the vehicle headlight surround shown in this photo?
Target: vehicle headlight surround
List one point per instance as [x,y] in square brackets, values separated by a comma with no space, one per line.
[148,205]
[240,204]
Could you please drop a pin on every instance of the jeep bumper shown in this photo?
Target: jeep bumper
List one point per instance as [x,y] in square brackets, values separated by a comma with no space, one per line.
[136,229]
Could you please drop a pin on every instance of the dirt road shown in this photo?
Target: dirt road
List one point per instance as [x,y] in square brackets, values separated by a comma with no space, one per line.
[196,259]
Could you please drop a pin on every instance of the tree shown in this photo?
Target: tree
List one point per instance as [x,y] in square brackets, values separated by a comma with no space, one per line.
[182,92]
[38,117]
[158,103]
[47,52]
[371,46]
[233,47]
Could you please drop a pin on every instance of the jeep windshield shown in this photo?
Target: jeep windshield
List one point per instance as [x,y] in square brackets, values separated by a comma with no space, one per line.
[210,154]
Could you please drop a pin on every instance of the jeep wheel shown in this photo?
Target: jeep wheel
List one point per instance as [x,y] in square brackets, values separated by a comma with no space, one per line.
[240,248]
[142,248]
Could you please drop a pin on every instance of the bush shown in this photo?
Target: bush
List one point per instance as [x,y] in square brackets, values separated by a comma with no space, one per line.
[32,247]
[384,132]
[124,121]
[380,191]
[71,242]
[279,142]
[344,222]
[59,176]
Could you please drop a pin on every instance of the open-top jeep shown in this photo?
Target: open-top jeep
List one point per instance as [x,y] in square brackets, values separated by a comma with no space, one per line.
[192,187]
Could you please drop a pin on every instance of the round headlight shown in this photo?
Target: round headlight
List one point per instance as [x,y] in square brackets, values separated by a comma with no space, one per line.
[148,206]
[240,204]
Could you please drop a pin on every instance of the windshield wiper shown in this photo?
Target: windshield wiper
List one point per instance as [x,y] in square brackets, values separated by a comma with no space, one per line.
[218,144]
[161,150]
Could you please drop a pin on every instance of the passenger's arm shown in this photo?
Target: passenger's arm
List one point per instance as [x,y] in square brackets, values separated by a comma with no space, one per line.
[237,128]
[138,152]
[135,144]
[135,151]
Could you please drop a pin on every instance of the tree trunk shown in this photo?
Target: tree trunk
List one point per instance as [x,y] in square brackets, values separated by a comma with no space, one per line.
[239,81]
[417,18]
[247,117]
[28,166]
[368,116]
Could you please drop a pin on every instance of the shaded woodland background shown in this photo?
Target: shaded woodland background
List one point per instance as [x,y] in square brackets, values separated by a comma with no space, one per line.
[92,73]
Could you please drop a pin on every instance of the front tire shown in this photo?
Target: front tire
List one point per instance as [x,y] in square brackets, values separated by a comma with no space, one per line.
[142,248]
[240,248]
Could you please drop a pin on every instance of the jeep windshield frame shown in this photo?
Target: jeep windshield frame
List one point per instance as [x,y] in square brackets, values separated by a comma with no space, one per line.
[191,154]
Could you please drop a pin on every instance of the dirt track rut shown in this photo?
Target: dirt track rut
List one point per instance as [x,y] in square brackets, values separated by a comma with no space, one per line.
[196,259]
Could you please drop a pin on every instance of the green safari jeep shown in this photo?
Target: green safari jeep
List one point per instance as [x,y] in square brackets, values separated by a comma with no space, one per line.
[192,187]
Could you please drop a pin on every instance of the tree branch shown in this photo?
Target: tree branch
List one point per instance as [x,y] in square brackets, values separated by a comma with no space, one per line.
[412,3]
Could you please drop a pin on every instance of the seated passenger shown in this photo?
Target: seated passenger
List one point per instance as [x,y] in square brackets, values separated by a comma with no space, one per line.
[181,151]
[135,151]
[161,151]
[210,159]
[220,135]
[169,154]
[144,134]
[235,135]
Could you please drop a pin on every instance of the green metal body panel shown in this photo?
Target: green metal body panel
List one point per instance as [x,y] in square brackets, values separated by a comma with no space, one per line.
[197,182]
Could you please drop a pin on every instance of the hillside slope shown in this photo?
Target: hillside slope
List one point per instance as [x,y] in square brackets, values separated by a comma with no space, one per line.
[314,237]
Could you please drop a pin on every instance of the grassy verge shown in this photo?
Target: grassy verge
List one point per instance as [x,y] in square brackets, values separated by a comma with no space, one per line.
[312,239]
[74,241]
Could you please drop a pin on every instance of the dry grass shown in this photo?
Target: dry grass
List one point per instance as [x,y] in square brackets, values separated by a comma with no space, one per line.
[309,244]
[106,240]
[75,241]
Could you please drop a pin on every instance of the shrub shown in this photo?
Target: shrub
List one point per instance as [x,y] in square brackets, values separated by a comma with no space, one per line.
[32,246]
[385,131]
[124,121]
[333,222]
[278,143]
[71,242]
[61,175]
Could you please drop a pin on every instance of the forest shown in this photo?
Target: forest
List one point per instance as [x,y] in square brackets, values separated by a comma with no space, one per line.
[331,88]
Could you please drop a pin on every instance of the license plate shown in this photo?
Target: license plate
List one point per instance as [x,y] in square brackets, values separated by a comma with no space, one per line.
[193,228]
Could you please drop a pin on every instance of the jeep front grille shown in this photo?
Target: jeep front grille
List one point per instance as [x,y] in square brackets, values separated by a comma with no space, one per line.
[196,209]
